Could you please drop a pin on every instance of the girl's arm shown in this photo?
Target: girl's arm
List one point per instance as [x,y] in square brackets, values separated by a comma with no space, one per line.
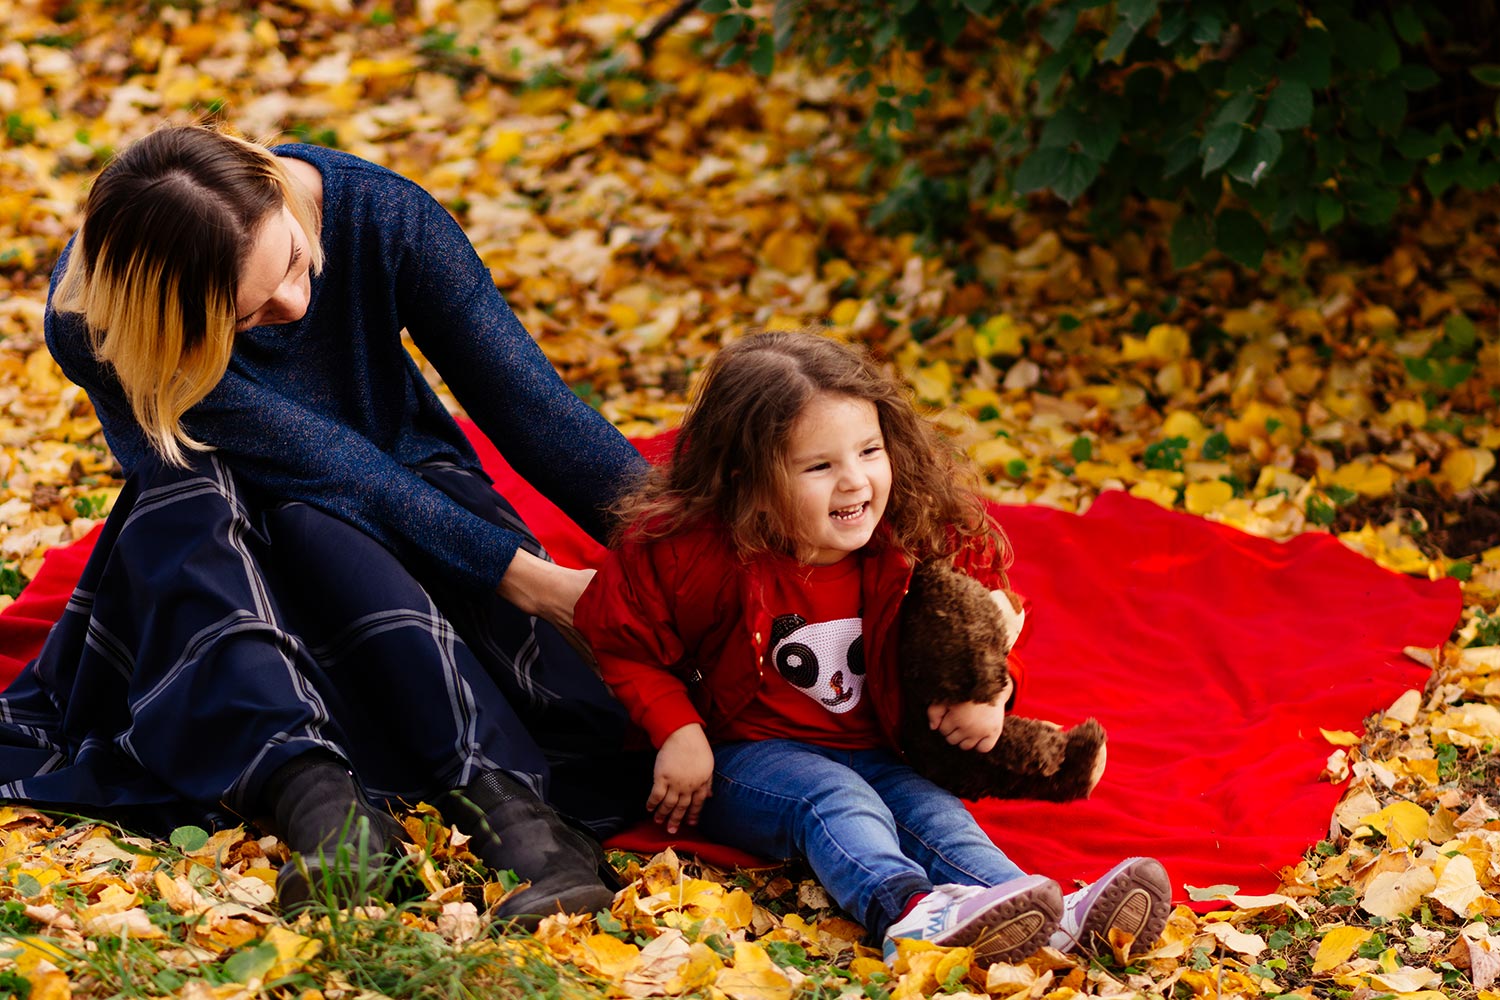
[683,779]
[970,725]
[630,615]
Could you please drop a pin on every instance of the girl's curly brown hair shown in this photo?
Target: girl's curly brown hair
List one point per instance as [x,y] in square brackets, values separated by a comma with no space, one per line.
[728,463]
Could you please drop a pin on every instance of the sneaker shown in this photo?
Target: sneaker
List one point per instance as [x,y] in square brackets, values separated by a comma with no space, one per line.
[1134,897]
[1003,923]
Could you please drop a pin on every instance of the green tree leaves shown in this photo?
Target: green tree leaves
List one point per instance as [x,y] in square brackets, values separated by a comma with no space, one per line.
[1065,172]
[1258,117]
[1290,106]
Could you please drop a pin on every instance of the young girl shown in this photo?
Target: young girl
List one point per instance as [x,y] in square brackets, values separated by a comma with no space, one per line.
[746,622]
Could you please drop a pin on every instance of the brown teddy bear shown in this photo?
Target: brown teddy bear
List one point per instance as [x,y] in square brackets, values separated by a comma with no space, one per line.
[952,649]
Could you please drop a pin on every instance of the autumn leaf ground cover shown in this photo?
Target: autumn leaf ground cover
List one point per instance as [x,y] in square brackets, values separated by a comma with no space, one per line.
[636,212]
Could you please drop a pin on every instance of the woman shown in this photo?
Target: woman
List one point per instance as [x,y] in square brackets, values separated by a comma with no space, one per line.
[308,600]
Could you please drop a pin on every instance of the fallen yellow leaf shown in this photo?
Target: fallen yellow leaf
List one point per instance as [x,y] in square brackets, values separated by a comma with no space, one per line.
[293,951]
[994,453]
[607,956]
[843,313]
[1388,546]
[1231,937]
[1338,946]
[48,984]
[1260,421]
[924,971]
[114,899]
[790,252]
[1407,980]
[1003,980]
[1182,423]
[1369,479]
[1466,467]
[754,976]
[34,949]
[998,335]
[701,969]
[1163,342]
[126,923]
[933,382]
[1205,498]
[1395,894]
[42,373]
[1404,413]
[1401,823]
[1467,725]
[504,145]
[1458,887]
[1157,492]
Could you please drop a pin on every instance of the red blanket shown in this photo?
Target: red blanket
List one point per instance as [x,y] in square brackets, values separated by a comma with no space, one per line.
[1212,657]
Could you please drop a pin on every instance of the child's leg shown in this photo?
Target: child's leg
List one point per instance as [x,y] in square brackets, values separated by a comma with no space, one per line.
[934,828]
[780,799]
[1133,898]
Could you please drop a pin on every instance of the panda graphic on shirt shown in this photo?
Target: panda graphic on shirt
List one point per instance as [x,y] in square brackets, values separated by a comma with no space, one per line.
[823,660]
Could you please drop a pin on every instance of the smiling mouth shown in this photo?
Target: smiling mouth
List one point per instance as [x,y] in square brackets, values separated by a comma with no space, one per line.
[849,513]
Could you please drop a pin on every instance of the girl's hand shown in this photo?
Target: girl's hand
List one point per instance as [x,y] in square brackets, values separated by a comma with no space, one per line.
[684,777]
[542,588]
[970,725]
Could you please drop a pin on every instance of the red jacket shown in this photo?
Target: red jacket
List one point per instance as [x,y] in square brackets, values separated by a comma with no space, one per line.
[681,628]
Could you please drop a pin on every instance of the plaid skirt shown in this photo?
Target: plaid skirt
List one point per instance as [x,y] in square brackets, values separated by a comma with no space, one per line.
[211,639]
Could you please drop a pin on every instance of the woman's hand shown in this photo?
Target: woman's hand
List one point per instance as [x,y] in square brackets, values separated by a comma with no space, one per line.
[542,588]
[684,777]
[969,725]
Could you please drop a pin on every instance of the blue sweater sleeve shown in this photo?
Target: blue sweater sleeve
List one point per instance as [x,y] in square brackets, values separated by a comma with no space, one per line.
[463,325]
[271,441]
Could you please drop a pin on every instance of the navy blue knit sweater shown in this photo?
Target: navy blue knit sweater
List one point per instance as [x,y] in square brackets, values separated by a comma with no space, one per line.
[331,409]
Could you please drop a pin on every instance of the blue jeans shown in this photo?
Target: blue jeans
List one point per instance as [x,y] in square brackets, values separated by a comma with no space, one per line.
[873,830]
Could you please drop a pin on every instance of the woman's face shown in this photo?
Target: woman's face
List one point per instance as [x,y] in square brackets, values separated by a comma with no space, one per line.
[275,281]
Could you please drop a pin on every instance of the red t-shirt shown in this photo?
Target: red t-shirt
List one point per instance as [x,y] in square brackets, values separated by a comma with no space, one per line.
[813,686]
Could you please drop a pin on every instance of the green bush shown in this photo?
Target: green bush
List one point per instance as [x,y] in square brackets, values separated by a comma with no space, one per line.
[1257,117]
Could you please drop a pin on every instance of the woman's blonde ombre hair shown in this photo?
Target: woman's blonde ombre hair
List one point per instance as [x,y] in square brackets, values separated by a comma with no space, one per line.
[167,227]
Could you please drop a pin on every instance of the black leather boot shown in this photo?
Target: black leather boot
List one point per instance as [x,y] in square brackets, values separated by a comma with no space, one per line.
[512,829]
[339,840]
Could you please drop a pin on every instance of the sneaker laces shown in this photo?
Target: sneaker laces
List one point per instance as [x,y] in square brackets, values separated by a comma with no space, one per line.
[958,893]
[1073,902]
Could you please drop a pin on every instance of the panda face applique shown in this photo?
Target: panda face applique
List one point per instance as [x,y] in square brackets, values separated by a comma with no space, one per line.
[824,660]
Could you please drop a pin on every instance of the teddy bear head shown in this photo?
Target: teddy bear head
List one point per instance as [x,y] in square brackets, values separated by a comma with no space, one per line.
[953,635]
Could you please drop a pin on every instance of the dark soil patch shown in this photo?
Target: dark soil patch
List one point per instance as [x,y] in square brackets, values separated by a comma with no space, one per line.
[1480,776]
[1456,527]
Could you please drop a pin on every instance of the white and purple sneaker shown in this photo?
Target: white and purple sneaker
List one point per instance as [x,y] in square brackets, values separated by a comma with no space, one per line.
[1134,897]
[1003,923]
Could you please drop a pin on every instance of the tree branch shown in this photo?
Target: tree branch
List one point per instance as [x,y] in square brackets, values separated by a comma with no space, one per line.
[647,42]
